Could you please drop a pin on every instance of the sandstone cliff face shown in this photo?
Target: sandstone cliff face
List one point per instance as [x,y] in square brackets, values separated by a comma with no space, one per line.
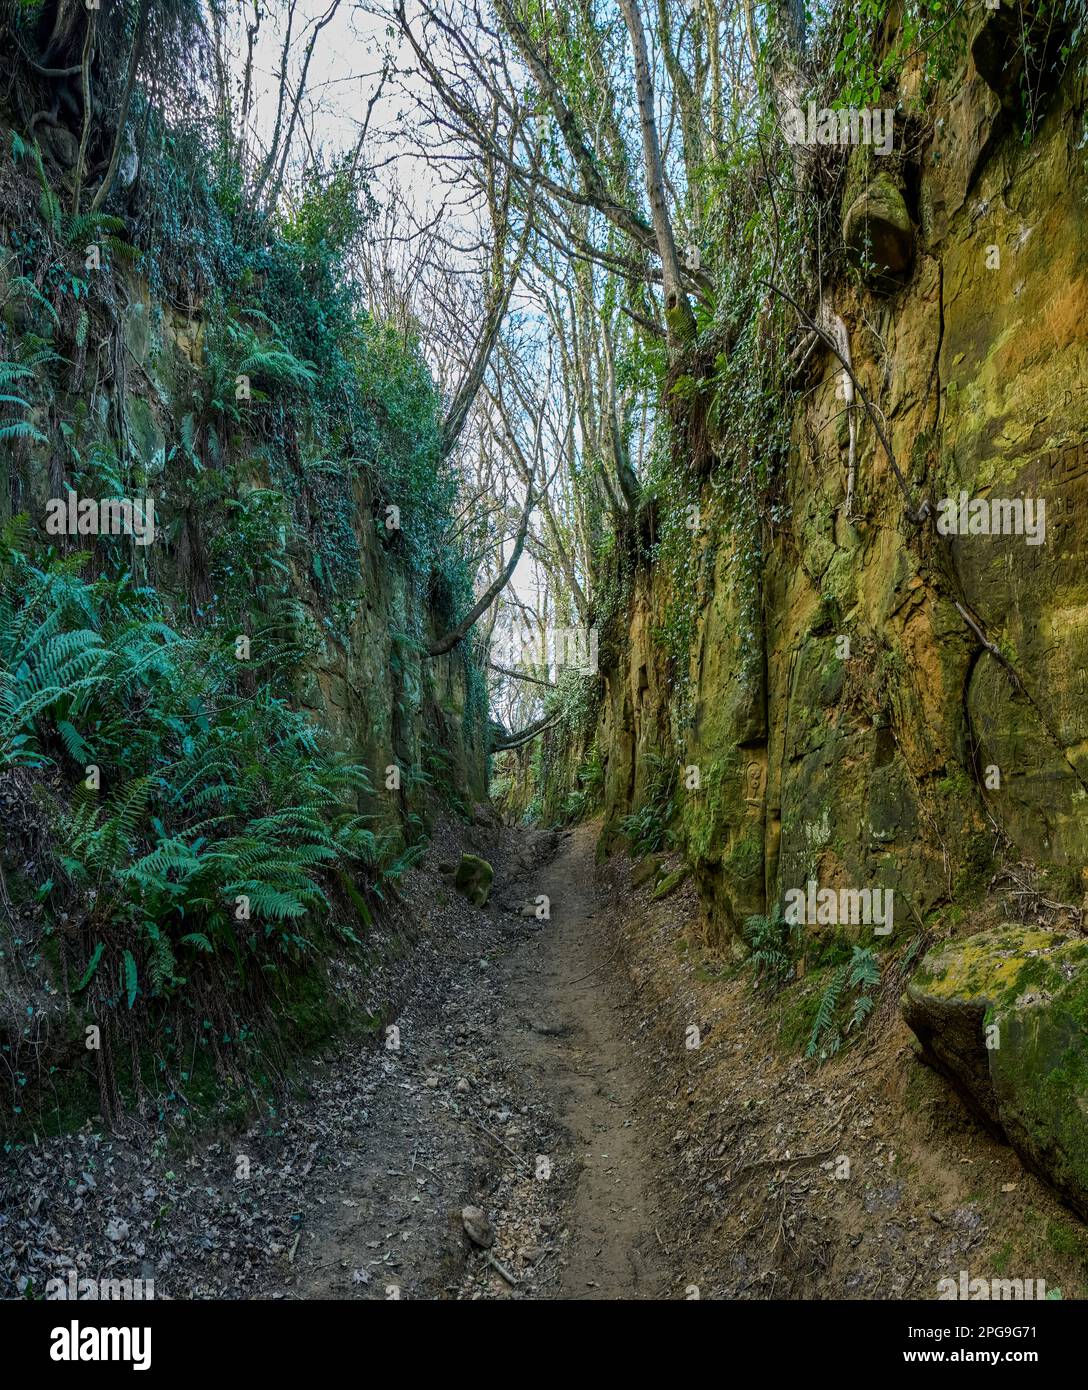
[365,680]
[871,763]
[267,531]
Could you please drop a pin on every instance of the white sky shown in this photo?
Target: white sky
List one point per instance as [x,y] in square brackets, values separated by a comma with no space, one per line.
[344,74]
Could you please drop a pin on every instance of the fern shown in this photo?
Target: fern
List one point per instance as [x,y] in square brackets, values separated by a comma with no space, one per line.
[861,972]
[75,745]
[22,429]
[207,795]
[14,371]
[863,1007]
[824,1038]
[92,966]
[130,978]
[161,963]
[22,287]
[864,967]
[279,365]
[772,945]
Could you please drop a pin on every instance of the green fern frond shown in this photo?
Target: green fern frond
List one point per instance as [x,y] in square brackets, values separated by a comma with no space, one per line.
[864,968]
[22,429]
[822,1027]
[22,287]
[75,745]
[863,1007]
[279,365]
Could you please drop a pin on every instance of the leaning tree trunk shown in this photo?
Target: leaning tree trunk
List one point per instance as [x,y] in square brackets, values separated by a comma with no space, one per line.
[679,318]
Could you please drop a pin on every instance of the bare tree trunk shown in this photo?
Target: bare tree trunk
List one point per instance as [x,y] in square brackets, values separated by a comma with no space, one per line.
[281,83]
[311,43]
[502,287]
[247,82]
[713,28]
[687,101]
[524,735]
[521,676]
[85,69]
[625,474]
[566,565]
[126,98]
[594,184]
[679,318]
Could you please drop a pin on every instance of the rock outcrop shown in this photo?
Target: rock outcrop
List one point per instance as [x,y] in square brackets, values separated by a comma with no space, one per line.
[1004,1016]
[879,234]
[473,878]
[847,723]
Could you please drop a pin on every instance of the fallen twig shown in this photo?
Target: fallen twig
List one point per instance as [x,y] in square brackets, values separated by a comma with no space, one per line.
[499,1268]
[503,1144]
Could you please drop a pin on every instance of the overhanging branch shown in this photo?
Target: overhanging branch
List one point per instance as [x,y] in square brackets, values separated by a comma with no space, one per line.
[530,731]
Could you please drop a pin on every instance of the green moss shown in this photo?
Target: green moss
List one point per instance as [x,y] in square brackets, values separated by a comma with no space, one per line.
[1033,985]
[1065,1239]
[473,878]
[956,784]
[977,869]
[646,869]
[1002,1260]
[1061,882]
[358,902]
[670,882]
[828,950]
[745,859]
[987,967]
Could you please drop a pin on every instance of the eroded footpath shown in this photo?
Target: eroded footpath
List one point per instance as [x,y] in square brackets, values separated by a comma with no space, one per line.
[508,1086]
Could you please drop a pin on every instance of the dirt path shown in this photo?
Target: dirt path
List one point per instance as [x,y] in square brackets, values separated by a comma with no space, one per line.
[508,1085]
[565,1030]
[540,1074]
[514,1090]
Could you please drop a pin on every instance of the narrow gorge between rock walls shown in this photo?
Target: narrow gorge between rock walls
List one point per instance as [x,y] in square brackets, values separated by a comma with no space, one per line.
[543,661]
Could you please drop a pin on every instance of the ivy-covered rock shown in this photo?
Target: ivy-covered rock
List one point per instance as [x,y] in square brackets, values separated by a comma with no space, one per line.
[473,878]
[879,234]
[1004,1016]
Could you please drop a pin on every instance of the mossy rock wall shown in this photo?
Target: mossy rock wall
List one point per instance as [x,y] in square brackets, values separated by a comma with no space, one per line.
[882,764]
[366,681]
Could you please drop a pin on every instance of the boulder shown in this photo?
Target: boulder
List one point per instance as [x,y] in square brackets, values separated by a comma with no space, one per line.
[539,847]
[646,869]
[879,234]
[477,1227]
[670,883]
[60,145]
[473,878]
[1003,1015]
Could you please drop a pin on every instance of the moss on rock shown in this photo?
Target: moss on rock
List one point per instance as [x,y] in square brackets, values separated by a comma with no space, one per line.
[1004,1016]
[473,878]
[879,234]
